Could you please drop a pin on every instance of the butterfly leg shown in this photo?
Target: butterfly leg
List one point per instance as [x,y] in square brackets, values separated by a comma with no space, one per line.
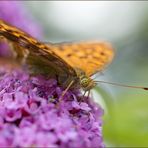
[64,92]
[88,95]
[84,93]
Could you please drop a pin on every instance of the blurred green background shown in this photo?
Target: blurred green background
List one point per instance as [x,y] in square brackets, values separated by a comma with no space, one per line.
[125,25]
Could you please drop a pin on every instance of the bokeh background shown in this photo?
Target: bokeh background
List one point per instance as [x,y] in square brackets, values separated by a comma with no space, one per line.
[125,25]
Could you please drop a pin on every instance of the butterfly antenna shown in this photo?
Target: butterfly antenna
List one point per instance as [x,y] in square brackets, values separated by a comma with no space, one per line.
[122,85]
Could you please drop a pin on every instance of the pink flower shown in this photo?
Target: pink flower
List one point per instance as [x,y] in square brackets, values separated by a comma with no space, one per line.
[30,117]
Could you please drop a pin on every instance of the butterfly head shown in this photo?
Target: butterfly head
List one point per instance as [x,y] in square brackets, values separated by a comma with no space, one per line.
[87,83]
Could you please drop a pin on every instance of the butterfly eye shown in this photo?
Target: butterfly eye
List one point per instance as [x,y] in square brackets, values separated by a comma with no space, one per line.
[84,82]
[87,83]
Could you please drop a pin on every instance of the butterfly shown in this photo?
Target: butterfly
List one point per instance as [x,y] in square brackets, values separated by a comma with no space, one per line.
[72,64]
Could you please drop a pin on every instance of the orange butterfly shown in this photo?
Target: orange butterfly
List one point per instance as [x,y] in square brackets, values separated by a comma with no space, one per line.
[72,64]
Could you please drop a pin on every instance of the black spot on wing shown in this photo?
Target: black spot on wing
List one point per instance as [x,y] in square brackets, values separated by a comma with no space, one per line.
[69,55]
[102,53]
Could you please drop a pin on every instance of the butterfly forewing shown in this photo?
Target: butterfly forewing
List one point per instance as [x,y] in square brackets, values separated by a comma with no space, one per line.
[90,57]
[39,57]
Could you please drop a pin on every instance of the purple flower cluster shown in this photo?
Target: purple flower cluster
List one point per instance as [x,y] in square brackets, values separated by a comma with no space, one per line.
[31,114]
[15,13]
